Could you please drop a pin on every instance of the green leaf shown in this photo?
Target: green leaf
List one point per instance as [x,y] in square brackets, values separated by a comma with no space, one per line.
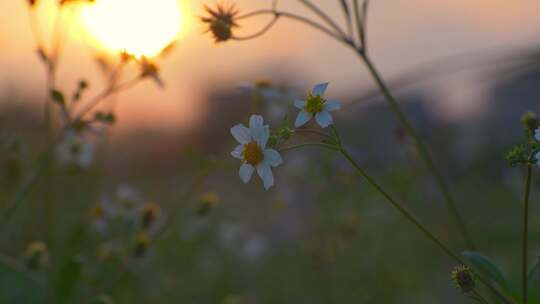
[58,97]
[486,266]
[67,280]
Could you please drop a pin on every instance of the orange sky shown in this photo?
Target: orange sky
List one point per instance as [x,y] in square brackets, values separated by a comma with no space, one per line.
[403,33]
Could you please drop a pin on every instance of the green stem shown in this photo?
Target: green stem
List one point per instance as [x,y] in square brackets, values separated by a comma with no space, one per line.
[524,262]
[422,150]
[416,223]
[294,147]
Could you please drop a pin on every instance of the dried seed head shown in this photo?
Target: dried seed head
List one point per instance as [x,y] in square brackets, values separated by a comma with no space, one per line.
[221,21]
[464,278]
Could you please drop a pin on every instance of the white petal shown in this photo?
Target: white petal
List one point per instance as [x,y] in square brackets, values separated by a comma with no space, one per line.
[256,121]
[302,119]
[265,172]
[320,89]
[272,157]
[300,104]
[259,132]
[238,151]
[324,119]
[537,134]
[241,134]
[331,105]
[246,171]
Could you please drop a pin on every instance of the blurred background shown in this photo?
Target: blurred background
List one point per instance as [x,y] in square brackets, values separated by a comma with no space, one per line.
[464,72]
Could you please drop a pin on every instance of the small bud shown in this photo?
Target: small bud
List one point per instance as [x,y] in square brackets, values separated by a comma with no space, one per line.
[150,70]
[207,201]
[464,279]
[32,3]
[142,242]
[42,55]
[58,97]
[530,121]
[36,255]
[104,252]
[150,213]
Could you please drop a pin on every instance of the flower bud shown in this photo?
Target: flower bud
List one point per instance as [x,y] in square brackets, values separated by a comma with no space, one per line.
[530,121]
[150,213]
[142,242]
[36,255]
[207,201]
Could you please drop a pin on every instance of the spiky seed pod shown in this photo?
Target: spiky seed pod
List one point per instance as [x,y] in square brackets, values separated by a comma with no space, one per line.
[221,21]
[464,279]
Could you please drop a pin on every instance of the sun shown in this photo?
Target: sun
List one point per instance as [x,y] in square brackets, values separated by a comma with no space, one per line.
[139,27]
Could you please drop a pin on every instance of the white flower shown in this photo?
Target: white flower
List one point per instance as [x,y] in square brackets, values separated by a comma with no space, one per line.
[316,105]
[252,151]
[75,150]
[537,134]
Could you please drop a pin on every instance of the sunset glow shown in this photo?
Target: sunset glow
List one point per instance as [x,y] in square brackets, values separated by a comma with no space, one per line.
[140,27]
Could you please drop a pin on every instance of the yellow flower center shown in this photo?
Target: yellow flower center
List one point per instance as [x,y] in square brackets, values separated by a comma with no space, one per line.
[97,212]
[314,104]
[253,154]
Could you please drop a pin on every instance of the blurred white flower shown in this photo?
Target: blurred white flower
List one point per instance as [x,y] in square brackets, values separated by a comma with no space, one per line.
[252,151]
[128,202]
[75,150]
[316,106]
[254,248]
[101,214]
[537,134]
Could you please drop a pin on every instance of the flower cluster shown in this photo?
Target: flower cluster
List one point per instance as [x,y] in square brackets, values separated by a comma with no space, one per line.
[127,208]
[257,143]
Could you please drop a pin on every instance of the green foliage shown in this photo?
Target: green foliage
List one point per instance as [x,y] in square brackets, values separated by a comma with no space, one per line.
[67,279]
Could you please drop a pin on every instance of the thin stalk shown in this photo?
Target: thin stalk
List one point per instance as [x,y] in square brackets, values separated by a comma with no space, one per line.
[43,164]
[294,147]
[416,223]
[324,17]
[422,150]
[94,102]
[261,32]
[479,297]
[525,248]
[304,20]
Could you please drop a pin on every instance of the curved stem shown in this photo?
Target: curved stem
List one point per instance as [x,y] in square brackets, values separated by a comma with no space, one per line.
[259,33]
[524,257]
[101,96]
[416,223]
[294,147]
[304,20]
[324,17]
[422,149]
